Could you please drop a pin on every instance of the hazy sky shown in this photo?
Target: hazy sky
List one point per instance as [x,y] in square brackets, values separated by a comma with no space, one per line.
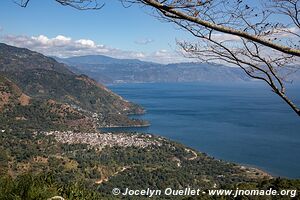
[52,29]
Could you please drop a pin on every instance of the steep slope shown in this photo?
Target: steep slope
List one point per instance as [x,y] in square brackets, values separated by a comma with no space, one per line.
[13,59]
[43,78]
[18,111]
[11,94]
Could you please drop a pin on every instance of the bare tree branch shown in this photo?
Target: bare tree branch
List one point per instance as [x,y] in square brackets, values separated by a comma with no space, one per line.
[171,10]
[263,47]
[262,39]
[77,4]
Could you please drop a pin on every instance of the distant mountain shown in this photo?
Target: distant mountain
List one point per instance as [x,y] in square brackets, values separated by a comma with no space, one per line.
[110,70]
[98,59]
[43,79]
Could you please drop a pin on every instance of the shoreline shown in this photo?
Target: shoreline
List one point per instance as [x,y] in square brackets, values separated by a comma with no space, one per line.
[270,173]
[245,166]
[251,169]
[129,126]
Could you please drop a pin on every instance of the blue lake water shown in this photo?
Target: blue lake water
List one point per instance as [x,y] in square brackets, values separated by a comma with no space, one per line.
[244,123]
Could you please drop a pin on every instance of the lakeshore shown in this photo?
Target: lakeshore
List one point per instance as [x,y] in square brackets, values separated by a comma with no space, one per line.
[238,123]
[100,141]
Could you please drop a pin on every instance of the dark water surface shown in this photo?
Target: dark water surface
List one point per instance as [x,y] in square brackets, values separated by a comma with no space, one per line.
[245,123]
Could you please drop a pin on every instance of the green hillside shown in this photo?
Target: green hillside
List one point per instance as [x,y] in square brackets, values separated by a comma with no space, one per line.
[50,146]
[42,78]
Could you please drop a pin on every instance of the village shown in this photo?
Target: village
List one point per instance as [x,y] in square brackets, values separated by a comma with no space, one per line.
[101,140]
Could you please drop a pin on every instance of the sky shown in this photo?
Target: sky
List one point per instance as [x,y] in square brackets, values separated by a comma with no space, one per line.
[48,27]
[52,29]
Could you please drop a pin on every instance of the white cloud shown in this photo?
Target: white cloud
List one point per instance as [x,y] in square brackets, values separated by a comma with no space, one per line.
[225,37]
[58,41]
[161,53]
[86,43]
[139,55]
[144,41]
[63,46]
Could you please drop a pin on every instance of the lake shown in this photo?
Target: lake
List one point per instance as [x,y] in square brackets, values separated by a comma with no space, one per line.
[245,123]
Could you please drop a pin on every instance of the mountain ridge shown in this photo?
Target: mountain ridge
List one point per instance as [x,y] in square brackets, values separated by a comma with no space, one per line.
[124,71]
[114,71]
[98,59]
[43,78]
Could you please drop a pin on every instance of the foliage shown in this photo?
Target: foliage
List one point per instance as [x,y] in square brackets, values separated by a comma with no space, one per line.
[42,78]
